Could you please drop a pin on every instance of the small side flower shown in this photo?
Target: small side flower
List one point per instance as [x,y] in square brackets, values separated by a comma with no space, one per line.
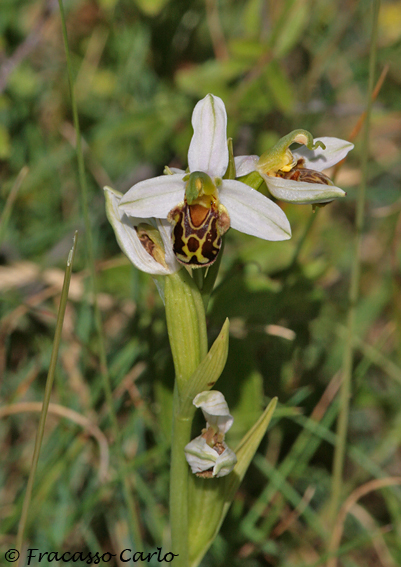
[145,241]
[295,176]
[208,455]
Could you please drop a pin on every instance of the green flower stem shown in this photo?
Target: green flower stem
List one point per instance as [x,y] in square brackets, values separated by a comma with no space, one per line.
[179,473]
[345,393]
[186,326]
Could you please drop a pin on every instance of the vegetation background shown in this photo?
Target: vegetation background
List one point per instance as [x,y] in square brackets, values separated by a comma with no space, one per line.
[139,68]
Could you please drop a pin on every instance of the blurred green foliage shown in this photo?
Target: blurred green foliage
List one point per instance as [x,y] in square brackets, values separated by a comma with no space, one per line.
[140,66]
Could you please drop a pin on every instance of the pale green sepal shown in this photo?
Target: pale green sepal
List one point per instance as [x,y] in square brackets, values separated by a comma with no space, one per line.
[209,370]
[210,499]
[301,192]
[186,325]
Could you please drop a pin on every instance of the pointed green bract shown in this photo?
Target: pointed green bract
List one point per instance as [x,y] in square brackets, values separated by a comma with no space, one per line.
[209,370]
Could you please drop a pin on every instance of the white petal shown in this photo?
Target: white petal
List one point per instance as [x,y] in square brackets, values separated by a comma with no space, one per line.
[320,159]
[215,409]
[128,240]
[208,151]
[301,192]
[253,213]
[245,165]
[154,197]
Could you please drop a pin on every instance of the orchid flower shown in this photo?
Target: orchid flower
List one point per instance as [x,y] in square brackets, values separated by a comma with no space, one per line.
[146,242]
[295,176]
[208,455]
[201,204]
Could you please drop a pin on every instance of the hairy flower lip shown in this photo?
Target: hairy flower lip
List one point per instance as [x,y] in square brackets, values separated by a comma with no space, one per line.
[250,211]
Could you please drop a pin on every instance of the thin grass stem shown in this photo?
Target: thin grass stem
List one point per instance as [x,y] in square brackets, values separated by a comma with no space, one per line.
[345,391]
[133,518]
[46,398]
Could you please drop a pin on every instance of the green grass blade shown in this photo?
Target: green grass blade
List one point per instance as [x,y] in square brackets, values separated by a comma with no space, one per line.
[46,399]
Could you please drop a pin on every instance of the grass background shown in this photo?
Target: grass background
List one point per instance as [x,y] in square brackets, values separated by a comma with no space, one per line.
[139,68]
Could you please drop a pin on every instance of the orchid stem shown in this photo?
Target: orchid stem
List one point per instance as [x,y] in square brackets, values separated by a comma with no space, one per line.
[186,324]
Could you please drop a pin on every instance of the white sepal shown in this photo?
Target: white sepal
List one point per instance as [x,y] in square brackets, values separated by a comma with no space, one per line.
[154,197]
[301,192]
[127,237]
[319,159]
[201,458]
[215,410]
[253,213]
[208,151]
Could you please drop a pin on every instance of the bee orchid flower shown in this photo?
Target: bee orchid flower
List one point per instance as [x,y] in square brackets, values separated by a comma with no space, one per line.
[201,205]
[295,176]
[208,455]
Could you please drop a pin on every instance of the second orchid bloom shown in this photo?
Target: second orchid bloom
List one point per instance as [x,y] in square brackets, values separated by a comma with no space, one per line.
[208,455]
[201,204]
